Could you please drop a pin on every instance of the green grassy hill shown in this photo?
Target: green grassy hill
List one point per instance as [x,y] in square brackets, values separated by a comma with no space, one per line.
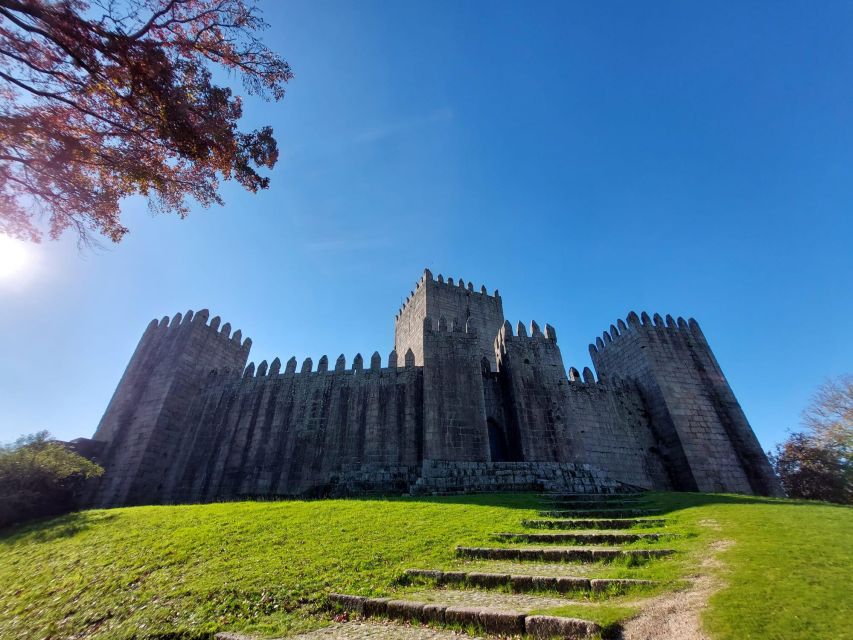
[267,567]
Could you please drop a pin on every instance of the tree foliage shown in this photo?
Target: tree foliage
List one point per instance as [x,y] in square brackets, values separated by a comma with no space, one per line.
[817,463]
[104,99]
[829,416]
[39,477]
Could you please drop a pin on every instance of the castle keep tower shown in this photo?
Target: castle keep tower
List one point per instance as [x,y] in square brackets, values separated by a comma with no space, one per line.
[465,403]
[459,304]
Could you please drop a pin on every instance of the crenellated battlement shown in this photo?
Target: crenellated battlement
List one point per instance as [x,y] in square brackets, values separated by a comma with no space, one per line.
[585,378]
[643,322]
[535,333]
[459,285]
[265,370]
[197,320]
[549,335]
[443,326]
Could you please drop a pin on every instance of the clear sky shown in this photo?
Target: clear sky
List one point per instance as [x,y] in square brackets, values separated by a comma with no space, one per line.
[587,159]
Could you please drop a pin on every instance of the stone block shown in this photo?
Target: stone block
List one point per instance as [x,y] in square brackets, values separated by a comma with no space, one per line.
[424,574]
[568,584]
[404,610]
[372,607]
[433,613]
[523,583]
[348,602]
[488,580]
[462,616]
[557,627]
[560,555]
[502,622]
[453,577]
[618,584]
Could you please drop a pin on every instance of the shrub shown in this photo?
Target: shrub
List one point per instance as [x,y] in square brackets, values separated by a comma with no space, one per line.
[40,477]
[811,470]
[817,464]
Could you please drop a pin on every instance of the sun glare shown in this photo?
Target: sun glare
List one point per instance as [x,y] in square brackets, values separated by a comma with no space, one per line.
[14,257]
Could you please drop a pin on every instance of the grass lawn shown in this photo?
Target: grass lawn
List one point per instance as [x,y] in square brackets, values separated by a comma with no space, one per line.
[187,571]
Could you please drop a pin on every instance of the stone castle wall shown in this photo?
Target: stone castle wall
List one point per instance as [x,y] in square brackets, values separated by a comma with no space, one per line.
[560,419]
[291,433]
[610,429]
[470,406]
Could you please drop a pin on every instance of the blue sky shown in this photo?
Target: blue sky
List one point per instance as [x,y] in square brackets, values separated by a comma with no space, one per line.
[587,159]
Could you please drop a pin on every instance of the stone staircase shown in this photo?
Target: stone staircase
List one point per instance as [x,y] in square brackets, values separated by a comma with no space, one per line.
[499,591]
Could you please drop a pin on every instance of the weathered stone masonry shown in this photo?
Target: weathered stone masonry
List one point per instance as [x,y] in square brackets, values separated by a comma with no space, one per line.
[463,403]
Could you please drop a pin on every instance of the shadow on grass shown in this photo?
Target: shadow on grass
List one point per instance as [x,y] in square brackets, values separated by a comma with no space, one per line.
[664,502]
[54,528]
[675,501]
[69,525]
[521,500]
[667,502]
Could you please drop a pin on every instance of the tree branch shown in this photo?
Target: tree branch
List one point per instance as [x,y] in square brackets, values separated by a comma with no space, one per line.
[154,17]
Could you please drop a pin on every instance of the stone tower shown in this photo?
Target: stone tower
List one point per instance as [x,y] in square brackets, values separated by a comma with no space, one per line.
[701,428]
[143,424]
[459,304]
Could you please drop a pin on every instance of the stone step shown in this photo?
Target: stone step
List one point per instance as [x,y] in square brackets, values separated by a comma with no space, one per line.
[595,497]
[522,583]
[375,629]
[493,598]
[556,569]
[597,504]
[489,620]
[579,538]
[559,554]
[612,523]
[598,513]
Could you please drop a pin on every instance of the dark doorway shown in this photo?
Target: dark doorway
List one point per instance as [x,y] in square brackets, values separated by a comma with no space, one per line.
[498,449]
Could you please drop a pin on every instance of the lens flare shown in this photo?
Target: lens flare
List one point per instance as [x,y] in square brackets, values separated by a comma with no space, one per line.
[14,257]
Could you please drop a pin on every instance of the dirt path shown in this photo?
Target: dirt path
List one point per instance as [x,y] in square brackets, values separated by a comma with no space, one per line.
[677,616]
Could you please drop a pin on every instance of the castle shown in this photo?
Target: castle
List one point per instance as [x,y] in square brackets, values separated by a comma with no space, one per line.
[463,403]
